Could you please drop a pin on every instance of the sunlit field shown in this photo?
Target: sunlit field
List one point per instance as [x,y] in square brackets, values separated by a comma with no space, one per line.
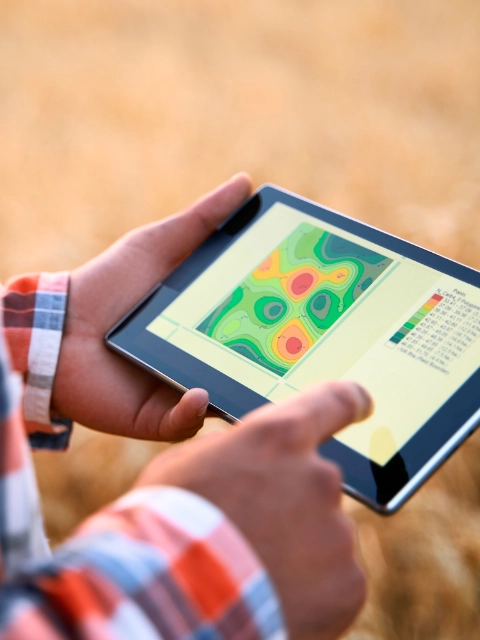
[117,113]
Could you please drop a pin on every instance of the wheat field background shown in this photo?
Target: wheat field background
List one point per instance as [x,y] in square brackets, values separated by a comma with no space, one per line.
[120,112]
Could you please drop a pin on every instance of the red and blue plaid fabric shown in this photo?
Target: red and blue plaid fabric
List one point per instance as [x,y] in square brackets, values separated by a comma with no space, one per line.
[160,563]
[33,313]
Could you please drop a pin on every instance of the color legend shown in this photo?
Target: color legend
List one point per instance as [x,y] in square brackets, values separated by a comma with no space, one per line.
[416,318]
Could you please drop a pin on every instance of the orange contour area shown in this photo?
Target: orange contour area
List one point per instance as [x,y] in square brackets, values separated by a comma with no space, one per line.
[292,341]
[301,281]
[270,268]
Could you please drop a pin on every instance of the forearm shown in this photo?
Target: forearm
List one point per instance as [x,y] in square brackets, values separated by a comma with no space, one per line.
[160,563]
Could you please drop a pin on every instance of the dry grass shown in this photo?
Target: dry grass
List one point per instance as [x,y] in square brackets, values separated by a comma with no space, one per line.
[119,112]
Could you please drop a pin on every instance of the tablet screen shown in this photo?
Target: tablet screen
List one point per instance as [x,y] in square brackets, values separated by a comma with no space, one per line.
[296,300]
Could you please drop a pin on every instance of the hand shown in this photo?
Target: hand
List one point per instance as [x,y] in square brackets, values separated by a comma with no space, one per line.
[97,387]
[267,477]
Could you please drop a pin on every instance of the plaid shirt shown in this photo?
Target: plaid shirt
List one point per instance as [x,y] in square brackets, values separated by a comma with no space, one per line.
[160,562]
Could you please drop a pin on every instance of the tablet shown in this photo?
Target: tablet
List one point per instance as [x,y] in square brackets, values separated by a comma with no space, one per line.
[287,293]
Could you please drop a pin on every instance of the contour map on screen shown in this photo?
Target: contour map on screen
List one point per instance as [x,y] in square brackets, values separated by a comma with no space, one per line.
[293,297]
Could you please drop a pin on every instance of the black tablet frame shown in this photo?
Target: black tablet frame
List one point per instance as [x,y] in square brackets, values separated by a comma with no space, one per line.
[385,488]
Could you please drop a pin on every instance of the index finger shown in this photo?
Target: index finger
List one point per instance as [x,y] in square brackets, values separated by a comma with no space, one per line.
[314,416]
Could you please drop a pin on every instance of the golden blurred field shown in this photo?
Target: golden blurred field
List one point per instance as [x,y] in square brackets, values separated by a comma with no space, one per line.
[116,113]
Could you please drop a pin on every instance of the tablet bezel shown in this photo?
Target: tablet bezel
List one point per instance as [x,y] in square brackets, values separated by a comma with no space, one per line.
[384,489]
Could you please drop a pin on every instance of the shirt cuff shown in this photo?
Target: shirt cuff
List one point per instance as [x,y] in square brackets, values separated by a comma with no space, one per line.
[34,317]
[171,565]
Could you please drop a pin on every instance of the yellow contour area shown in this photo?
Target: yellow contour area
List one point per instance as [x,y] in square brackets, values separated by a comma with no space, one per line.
[270,268]
[288,331]
[339,275]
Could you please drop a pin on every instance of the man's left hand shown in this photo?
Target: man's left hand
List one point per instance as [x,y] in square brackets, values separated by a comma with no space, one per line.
[98,388]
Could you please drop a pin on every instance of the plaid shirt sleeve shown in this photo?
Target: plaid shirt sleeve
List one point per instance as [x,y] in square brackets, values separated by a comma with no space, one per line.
[161,563]
[34,309]
[21,528]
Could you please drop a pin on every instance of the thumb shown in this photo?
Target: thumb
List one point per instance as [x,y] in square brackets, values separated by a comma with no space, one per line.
[184,232]
[166,418]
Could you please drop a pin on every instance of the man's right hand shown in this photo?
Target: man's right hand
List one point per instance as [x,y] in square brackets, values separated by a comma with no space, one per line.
[268,479]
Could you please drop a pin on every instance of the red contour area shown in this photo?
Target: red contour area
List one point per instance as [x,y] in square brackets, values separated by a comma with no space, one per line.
[302,283]
[293,345]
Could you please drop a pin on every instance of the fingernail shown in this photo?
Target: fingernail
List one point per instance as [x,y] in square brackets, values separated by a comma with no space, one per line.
[365,401]
[202,411]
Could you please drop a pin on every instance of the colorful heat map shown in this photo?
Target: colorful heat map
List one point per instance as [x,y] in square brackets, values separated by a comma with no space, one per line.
[290,300]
